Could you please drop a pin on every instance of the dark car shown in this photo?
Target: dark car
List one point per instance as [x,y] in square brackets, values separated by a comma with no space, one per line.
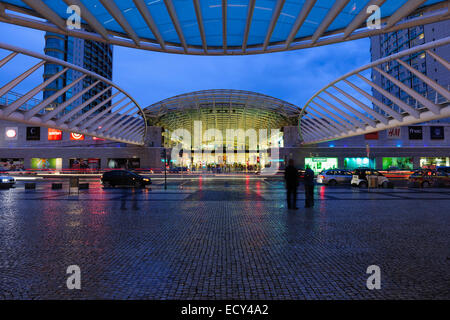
[443,169]
[427,178]
[124,178]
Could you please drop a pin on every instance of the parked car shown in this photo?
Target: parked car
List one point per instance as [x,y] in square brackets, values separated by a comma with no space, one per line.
[443,169]
[360,175]
[427,178]
[7,181]
[124,178]
[334,176]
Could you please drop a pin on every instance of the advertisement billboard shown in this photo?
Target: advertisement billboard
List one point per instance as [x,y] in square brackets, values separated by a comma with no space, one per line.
[405,163]
[319,164]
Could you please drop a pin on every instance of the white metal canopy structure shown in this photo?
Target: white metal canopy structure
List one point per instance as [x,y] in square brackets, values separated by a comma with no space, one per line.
[116,117]
[222,27]
[354,104]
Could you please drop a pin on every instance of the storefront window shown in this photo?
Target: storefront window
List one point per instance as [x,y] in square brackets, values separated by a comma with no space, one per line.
[398,163]
[11,164]
[353,163]
[319,164]
[78,163]
[42,163]
[124,163]
[433,162]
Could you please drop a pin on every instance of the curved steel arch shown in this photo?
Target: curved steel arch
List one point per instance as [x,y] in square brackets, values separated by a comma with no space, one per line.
[193,99]
[346,107]
[225,28]
[223,109]
[117,117]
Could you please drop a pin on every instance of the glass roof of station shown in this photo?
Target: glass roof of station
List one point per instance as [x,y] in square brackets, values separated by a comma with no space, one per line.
[220,26]
[222,109]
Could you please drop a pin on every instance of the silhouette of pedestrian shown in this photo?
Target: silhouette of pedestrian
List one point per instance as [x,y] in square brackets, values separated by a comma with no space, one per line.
[309,187]
[291,180]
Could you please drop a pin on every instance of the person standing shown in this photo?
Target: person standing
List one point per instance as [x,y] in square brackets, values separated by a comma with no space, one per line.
[291,180]
[309,187]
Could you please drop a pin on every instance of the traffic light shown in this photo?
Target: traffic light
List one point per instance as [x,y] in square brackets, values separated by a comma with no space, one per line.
[181,153]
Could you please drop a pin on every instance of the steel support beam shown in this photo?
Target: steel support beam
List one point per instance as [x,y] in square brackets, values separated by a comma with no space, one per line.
[46,13]
[89,18]
[30,113]
[275,15]
[82,106]
[337,7]
[301,18]
[19,102]
[224,25]
[115,12]
[404,11]
[91,111]
[362,16]
[201,27]
[68,102]
[146,15]
[248,23]
[176,23]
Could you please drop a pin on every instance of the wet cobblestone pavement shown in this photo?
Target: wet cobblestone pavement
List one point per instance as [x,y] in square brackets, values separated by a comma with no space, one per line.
[224,240]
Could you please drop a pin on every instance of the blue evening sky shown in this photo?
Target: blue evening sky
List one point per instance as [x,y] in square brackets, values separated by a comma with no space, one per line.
[150,76]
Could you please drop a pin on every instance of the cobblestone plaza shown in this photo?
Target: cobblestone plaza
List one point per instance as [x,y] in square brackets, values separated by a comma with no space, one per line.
[224,239]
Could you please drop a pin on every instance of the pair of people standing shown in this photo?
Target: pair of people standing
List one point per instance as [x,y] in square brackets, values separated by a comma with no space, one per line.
[292,181]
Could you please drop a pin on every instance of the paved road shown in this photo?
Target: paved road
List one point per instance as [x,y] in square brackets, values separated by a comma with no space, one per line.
[224,239]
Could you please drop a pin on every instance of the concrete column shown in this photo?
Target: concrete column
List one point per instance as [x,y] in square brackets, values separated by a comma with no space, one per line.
[341,162]
[416,162]
[379,163]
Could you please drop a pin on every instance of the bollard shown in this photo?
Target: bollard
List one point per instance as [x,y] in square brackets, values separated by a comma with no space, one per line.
[56,186]
[83,186]
[30,186]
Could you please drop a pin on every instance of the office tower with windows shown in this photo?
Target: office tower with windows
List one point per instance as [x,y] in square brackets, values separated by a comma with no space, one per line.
[384,45]
[91,55]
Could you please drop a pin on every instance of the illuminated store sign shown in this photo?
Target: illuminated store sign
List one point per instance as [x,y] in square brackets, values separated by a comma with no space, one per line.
[11,133]
[76,136]
[415,133]
[33,133]
[54,134]
[437,133]
[393,133]
[371,136]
